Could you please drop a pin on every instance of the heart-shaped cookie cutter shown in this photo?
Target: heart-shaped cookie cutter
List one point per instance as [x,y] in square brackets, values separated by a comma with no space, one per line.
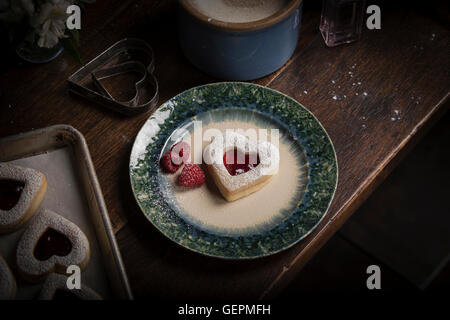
[126,67]
[125,56]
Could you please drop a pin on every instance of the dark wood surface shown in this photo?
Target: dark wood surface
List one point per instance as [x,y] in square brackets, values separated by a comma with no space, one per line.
[402,67]
[405,222]
[403,227]
[347,274]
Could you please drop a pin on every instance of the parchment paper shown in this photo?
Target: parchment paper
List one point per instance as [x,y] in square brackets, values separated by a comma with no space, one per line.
[66,197]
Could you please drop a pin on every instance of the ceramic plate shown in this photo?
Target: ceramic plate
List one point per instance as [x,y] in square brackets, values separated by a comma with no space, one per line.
[272,219]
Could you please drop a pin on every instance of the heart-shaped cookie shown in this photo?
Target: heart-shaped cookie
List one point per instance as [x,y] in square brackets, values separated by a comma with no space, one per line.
[55,288]
[240,166]
[21,193]
[50,243]
[8,286]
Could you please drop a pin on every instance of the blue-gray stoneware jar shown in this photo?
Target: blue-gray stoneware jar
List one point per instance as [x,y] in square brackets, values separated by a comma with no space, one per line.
[239,51]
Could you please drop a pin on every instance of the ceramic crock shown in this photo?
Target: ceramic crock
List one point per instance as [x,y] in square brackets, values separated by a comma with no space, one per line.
[239,51]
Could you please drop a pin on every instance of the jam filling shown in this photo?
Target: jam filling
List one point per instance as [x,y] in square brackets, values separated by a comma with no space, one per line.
[236,162]
[10,191]
[51,243]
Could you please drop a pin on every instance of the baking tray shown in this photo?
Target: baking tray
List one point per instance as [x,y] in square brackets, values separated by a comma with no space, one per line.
[61,153]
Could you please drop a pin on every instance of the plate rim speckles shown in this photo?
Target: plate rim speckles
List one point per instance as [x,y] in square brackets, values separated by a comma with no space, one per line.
[302,124]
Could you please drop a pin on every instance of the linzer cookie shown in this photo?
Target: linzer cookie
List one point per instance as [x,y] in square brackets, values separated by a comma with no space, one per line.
[55,288]
[7,281]
[239,166]
[21,193]
[51,243]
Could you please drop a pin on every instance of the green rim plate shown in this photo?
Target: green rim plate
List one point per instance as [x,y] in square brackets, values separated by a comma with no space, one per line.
[303,126]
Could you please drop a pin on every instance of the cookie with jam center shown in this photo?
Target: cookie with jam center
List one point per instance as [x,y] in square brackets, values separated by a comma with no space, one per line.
[51,243]
[55,288]
[240,166]
[21,192]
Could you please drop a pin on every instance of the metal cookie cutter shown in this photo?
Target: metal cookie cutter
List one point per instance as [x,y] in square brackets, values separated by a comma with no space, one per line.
[125,56]
[126,67]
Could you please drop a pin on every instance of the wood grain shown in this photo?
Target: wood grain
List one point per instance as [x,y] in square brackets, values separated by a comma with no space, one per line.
[402,67]
[406,225]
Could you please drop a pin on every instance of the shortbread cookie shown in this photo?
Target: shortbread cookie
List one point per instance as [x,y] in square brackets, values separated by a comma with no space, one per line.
[239,166]
[21,193]
[50,243]
[55,288]
[7,281]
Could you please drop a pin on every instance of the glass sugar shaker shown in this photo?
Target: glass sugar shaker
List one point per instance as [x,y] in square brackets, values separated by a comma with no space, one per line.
[341,21]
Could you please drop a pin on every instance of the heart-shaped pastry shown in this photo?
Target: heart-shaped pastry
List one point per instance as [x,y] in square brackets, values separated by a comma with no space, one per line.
[55,288]
[8,286]
[240,166]
[50,243]
[21,193]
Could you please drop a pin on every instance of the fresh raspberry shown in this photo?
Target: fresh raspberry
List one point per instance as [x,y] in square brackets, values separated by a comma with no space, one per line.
[180,152]
[167,164]
[191,176]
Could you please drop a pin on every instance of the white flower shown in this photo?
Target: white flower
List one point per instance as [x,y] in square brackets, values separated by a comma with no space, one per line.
[50,23]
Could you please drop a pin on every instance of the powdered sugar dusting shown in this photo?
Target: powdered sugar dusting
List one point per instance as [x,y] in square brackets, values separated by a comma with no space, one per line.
[7,281]
[56,281]
[205,207]
[44,219]
[149,131]
[33,180]
[396,115]
[267,152]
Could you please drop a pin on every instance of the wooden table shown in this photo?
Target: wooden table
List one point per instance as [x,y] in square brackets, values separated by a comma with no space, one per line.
[376,98]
